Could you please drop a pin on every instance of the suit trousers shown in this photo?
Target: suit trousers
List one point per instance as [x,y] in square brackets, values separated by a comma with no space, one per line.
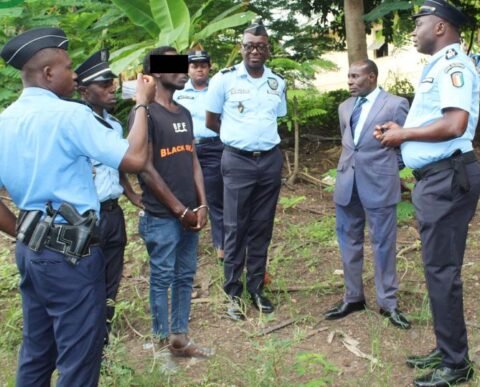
[113,241]
[210,157]
[443,212]
[63,318]
[382,223]
[251,189]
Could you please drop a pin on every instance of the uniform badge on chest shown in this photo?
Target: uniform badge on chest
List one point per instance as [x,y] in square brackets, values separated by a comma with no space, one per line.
[272,83]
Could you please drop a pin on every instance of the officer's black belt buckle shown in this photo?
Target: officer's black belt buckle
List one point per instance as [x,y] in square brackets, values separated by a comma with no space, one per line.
[252,154]
[456,162]
[206,140]
[109,205]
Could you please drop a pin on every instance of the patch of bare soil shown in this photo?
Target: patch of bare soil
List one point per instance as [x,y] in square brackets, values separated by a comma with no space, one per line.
[364,348]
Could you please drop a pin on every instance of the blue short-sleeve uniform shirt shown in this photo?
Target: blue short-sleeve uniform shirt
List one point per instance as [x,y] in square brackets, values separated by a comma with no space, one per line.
[449,80]
[249,107]
[46,147]
[107,179]
[195,101]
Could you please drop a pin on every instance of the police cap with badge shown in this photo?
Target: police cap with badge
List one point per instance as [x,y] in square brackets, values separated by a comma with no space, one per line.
[198,56]
[20,49]
[95,69]
[443,10]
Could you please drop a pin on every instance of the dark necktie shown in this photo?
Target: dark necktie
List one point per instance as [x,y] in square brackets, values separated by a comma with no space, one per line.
[356,114]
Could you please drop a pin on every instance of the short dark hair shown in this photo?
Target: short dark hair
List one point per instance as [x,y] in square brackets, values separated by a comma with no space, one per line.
[371,66]
[156,51]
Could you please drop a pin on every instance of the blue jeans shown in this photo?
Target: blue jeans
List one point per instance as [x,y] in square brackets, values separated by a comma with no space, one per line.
[173,263]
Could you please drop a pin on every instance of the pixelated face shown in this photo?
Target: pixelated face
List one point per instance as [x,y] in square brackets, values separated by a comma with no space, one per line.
[198,72]
[361,81]
[423,36]
[255,51]
[100,94]
[61,76]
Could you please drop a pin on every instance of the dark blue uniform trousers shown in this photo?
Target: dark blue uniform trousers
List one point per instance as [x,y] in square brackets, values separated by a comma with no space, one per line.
[251,189]
[63,318]
[443,213]
[210,156]
[113,241]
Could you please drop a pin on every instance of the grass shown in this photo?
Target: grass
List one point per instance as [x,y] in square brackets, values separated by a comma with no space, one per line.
[304,254]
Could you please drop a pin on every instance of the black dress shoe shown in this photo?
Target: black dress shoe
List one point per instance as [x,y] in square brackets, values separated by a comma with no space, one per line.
[261,303]
[432,360]
[343,309]
[397,318]
[445,376]
[234,310]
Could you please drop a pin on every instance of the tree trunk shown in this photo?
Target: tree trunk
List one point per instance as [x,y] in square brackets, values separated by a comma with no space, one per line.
[355,30]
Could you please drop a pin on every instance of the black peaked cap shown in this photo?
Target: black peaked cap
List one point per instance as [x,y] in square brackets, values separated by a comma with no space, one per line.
[95,69]
[443,10]
[20,49]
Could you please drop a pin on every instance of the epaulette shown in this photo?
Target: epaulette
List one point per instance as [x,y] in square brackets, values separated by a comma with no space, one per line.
[228,70]
[115,119]
[277,74]
[102,120]
[81,102]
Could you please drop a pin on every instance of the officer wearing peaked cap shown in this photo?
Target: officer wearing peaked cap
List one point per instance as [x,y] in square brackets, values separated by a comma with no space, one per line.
[97,88]
[45,147]
[208,146]
[436,142]
[243,104]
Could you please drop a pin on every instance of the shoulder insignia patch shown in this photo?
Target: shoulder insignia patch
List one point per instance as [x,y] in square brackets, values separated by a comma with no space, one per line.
[454,65]
[272,83]
[457,79]
[228,70]
[451,53]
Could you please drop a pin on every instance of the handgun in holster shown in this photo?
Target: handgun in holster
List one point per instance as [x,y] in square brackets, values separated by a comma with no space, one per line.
[80,235]
[460,171]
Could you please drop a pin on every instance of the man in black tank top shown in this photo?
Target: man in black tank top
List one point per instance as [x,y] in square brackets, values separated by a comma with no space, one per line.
[175,210]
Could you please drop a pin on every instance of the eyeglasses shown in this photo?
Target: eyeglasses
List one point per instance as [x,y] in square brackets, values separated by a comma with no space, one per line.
[261,47]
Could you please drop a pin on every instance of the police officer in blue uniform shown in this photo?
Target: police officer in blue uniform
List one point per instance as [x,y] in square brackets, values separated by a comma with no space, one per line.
[46,145]
[207,142]
[243,103]
[436,142]
[97,88]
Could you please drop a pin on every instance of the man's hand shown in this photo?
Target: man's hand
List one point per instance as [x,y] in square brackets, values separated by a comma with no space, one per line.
[202,217]
[145,91]
[389,134]
[188,219]
[136,200]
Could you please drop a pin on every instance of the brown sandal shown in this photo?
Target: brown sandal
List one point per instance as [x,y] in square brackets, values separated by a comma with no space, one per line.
[190,350]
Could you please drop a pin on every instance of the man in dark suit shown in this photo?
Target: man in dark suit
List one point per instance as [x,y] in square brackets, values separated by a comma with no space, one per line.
[368,187]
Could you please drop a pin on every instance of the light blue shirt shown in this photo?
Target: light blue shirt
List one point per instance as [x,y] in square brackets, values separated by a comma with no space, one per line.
[46,145]
[195,101]
[449,80]
[249,107]
[366,107]
[107,180]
